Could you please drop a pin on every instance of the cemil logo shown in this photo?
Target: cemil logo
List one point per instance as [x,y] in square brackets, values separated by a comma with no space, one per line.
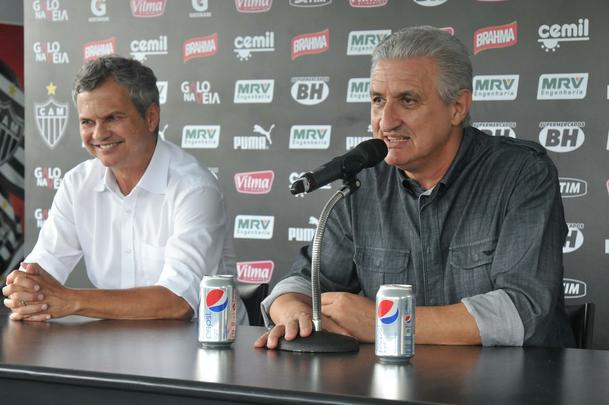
[303,234]
[41,215]
[388,312]
[199,92]
[572,187]
[200,47]
[310,136]
[574,288]
[500,36]
[254,91]
[255,142]
[95,49]
[367,3]
[363,42]
[259,182]
[575,238]
[310,44]
[51,118]
[495,87]
[309,3]
[551,36]
[246,44]
[142,48]
[562,137]
[562,86]
[200,136]
[216,300]
[358,90]
[147,8]
[50,52]
[497,128]
[48,177]
[49,10]
[11,131]
[256,272]
[254,226]
[98,9]
[253,6]
[310,90]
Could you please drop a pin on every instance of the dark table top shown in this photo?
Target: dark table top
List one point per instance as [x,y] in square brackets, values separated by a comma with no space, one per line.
[165,355]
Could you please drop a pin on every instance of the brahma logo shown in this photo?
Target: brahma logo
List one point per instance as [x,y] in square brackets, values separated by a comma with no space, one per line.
[309,3]
[254,182]
[497,128]
[388,312]
[11,131]
[49,10]
[245,45]
[48,177]
[98,9]
[364,42]
[429,3]
[200,9]
[254,142]
[310,136]
[562,137]
[575,238]
[199,92]
[254,226]
[496,87]
[50,52]
[200,136]
[253,6]
[95,49]
[216,300]
[500,36]
[309,44]
[40,216]
[572,187]
[358,90]
[367,3]
[147,8]
[254,91]
[550,36]
[303,234]
[310,90]
[562,86]
[574,288]
[352,141]
[200,47]
[257,272]
[162,87]
[142,48]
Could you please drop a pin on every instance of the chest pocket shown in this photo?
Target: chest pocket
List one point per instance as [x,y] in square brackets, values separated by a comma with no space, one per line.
[377,266]
[470,267]
[151,261]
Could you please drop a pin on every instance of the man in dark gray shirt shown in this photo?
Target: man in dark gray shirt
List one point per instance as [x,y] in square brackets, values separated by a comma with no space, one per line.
[475,223]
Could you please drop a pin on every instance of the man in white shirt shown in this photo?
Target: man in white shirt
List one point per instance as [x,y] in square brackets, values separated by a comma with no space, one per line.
[149,221]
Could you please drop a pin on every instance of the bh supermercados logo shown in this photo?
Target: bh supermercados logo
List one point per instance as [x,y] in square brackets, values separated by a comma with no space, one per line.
[48,177]
[50,52]
[575,238]
[11,131]
[497,128]
[310,90]
[551,35]
[51,118]
[367,3]
[49,10]
[562,137]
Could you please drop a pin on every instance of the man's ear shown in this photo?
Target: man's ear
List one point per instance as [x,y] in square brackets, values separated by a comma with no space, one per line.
[153,116]
[461,107]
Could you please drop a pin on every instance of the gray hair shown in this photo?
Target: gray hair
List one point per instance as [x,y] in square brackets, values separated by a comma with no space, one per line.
[451,56]
[139,80]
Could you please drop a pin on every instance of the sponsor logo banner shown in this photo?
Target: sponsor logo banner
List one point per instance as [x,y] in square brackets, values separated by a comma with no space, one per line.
[562,137]
[574,288]
[49,10]
[255,142]
[50,52]
[48,177]
[40,216]
[497,128]
[551,36]
[98,9]
[199,92]
[257,272]
[309,3]
[147,8]
[500,36]
[367,3]
[162,87]
[254,226]
[575,238]
[358,90]
[495,87]
[253,6]
[200,47]
[94,49]
[352,141]
[303,234]
[429,3]
[246,44]
[259,182]
[51,119]
[364,42]
[311,43]
[570,187]
[310,136]
[310,90]
[200,136]
[562,86]
[142,48]
[200,9]
[254,91]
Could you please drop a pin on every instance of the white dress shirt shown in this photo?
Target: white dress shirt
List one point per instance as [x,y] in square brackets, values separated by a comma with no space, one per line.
[170,230]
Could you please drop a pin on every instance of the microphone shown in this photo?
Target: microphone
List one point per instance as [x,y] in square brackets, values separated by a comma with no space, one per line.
[366,154]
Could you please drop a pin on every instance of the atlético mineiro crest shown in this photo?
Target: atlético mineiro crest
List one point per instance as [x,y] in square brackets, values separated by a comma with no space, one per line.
[51,120]
[11,131]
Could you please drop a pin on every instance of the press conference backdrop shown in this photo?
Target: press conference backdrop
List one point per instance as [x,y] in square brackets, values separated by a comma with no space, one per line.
[262,90]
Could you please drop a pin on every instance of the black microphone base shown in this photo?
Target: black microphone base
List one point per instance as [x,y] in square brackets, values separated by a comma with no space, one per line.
[320,342]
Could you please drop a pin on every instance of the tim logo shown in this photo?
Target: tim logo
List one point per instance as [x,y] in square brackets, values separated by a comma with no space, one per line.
[254,91]
[98,9]
[147,8]
[352,141]
[310,90]
[574,288]
[572,187]
[500,36]
[254,182]
[253,6]
[200,47]
[364,42]
[310,136]
[142,48]
[50,52]
[562,86]
[48,177]
[497,128]
[162,87]
[254,226]
[256,272]
[200,136]
[40,216]
[551,36]
[367,3]
[254,142]
[95,49]
[51,119]
[309,3]
[11,131]
[303,234]
[575,238]
[200,9]
[216,300]
[245,45]
[358,90]
[388,312]
[199,92]
[562,137]
[496,87]
[429,3]
[310,44]
[49,10]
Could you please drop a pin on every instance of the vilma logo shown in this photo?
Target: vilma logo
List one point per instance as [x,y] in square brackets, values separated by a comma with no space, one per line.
[216,300]
[388,312]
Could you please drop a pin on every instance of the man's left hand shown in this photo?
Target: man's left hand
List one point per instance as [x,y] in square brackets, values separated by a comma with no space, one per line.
[351,312]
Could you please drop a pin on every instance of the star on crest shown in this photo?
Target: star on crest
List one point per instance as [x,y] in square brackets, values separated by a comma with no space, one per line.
[12,90]
[51,89]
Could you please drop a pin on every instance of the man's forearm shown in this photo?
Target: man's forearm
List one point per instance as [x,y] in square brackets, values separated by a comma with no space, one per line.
[446,325]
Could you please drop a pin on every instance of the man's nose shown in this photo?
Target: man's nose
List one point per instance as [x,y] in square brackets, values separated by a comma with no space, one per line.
[390,119]
[100,131]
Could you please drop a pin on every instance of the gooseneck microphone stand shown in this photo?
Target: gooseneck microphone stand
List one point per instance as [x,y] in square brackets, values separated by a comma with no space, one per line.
[321,341]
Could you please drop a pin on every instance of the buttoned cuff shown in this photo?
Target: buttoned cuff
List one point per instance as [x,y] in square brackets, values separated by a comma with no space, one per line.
[497,318]
[293,284]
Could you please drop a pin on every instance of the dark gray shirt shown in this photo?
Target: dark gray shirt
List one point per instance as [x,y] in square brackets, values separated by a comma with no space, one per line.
[489,234]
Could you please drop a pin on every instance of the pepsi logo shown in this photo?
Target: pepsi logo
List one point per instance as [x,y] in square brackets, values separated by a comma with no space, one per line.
[388,312]
[216,300]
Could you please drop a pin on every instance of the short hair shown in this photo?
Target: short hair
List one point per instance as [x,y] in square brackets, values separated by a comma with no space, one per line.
[139,80]
[451,56]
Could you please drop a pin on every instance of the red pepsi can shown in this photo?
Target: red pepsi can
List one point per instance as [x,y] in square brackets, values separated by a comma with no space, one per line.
[395,320]
[217,311]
